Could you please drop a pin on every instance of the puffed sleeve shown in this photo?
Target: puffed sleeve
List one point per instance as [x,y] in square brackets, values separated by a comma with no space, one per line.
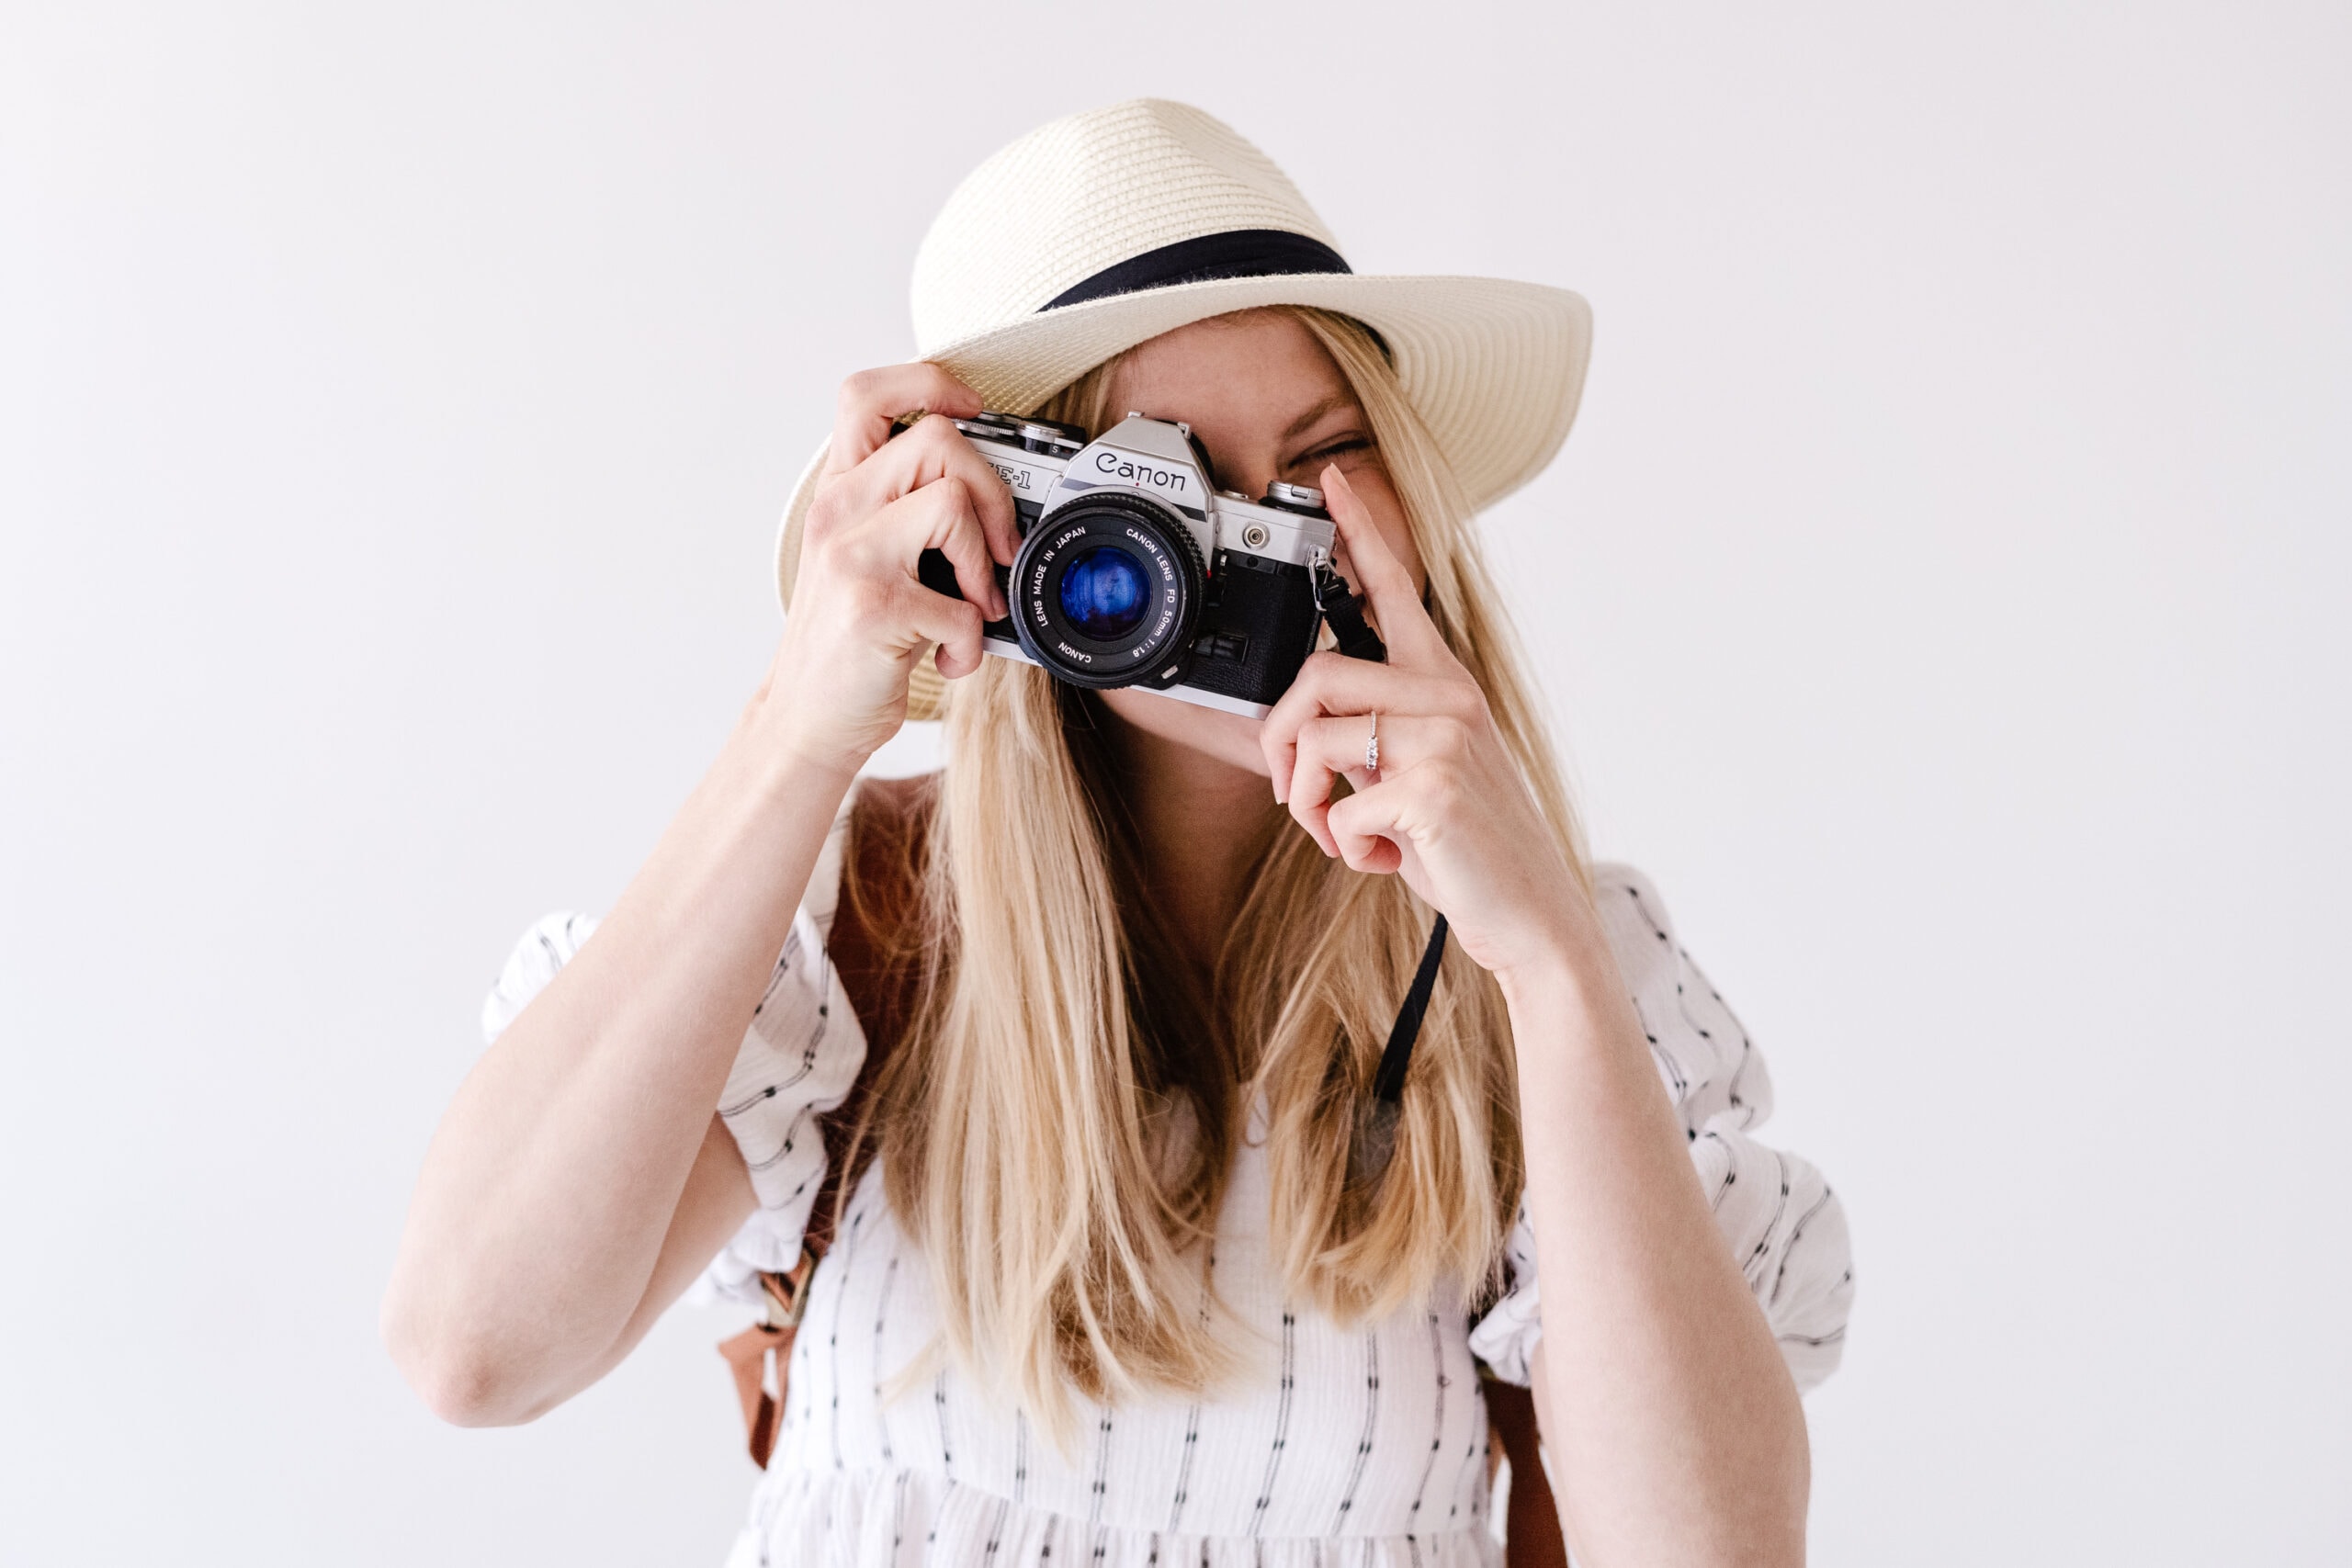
[798,1061]
[1776,1213]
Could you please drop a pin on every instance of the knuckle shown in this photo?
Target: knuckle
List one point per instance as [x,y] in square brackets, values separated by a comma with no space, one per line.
[1440,789]
[828,551]
[829,512]
[921,504]
[1318,670]
[990,491]
[948,499]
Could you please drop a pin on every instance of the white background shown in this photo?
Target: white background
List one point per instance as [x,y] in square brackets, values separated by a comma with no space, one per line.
[1941,597]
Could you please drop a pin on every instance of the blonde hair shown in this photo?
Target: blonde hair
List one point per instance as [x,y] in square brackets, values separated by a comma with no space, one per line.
[1057,1126]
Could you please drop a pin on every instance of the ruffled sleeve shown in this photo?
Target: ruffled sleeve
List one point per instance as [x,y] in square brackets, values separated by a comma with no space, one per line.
[1776,1213]
[799,1060]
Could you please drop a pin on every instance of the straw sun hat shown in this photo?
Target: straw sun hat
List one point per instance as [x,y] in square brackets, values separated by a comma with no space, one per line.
[1090,234]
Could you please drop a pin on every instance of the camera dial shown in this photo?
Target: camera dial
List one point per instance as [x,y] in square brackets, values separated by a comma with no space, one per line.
[1305,500]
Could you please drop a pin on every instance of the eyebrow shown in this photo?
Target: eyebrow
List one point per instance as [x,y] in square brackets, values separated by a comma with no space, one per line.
[1305,421]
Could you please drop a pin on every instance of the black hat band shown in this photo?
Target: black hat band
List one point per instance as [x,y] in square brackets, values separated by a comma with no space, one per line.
[1238,253]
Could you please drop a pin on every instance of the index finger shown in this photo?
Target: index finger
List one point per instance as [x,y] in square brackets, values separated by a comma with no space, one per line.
[931,451]
[872,401]
[1412,637]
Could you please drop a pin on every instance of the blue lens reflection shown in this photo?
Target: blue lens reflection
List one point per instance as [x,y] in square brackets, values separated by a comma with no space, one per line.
[1103,589]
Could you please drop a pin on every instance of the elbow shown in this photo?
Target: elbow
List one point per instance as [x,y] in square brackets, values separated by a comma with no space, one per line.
[1781,1491]
[468,1392]
[458,1376]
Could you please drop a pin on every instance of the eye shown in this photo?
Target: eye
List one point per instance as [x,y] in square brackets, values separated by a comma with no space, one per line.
[1332,451]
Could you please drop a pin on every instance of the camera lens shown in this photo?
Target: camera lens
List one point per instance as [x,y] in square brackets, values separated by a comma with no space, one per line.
[1102,593]
[1105,590]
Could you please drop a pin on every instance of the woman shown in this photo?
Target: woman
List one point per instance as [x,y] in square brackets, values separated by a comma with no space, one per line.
[1101,1283]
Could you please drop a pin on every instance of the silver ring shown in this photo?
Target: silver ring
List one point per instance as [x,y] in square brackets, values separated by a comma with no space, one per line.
[1372,745]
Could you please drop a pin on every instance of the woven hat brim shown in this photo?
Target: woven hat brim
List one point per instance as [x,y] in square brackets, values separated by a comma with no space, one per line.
[1495,369]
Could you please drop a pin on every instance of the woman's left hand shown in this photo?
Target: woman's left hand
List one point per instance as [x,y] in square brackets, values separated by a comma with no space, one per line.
[1447,807]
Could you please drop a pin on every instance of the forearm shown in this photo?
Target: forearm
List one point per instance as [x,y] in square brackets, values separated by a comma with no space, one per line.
[547,1192]
[1673,1424]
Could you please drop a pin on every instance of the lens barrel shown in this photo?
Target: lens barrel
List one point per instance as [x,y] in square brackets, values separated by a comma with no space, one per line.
[1106,591]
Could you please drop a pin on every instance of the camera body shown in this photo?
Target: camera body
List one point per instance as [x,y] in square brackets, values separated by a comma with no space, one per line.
[1135,571]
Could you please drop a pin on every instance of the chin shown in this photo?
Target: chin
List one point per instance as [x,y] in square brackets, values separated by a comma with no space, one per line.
[1227,736]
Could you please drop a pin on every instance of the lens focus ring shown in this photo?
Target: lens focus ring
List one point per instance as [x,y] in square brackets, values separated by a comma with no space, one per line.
[1106,589]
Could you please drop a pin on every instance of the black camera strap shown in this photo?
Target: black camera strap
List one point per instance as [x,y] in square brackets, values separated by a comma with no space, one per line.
[1344,613]
[1388,1083]
[1374,1144]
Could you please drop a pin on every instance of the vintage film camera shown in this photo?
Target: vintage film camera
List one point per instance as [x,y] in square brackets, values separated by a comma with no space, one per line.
[1135,571]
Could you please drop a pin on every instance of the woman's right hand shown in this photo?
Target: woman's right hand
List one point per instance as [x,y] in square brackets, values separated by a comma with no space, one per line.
[580,1179]
[859,616]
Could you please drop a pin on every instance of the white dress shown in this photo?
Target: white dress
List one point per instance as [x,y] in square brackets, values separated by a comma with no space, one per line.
[1361,1448]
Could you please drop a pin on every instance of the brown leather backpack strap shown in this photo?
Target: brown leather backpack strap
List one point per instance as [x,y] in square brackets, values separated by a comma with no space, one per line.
[880,888]
[755,1356]
[763,1354]
[1531,1519]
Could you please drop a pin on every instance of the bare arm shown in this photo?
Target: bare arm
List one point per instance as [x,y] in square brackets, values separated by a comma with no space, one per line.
[579,1180]
[717,1199]
[1673,1417]
[1673,1424]
[557,1170]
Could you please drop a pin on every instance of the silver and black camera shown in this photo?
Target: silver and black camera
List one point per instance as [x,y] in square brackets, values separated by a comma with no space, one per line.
[1135,571]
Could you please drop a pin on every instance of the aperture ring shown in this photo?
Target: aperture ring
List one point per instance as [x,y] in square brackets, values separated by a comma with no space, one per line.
[1130,544]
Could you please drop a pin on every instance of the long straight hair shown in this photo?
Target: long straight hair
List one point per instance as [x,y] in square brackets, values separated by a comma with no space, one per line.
[1057,1126]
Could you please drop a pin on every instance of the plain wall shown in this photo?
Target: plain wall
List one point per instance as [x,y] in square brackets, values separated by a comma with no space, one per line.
[1941,596]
